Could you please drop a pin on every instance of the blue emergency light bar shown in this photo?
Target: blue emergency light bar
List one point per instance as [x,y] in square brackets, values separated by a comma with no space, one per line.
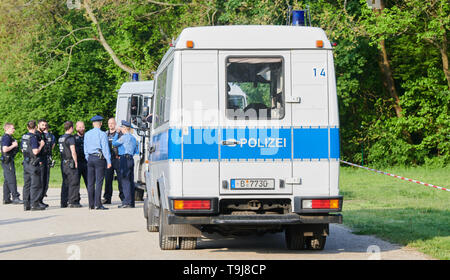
[135,77]
[298,17]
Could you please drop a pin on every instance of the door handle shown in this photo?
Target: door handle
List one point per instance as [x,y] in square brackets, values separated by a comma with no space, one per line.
[230,143]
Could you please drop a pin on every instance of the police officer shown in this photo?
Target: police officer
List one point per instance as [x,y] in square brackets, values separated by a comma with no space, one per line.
[46,153]
[109,173]
[79,147]
[32,187]
[127,147]
[70,189]
[96,151]
[9,148]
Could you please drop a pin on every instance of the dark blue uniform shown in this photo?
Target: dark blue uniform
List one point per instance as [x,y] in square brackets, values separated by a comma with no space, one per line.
[9,170]
[82,162]
[109,173]
[32,187]
[128,147]
[45,155]
[70,190]
[97,154]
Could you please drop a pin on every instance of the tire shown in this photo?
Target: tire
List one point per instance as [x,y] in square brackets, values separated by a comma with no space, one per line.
[138,194]
[316,243]
[165,242]
[188,243]
[294,238]
[152,223]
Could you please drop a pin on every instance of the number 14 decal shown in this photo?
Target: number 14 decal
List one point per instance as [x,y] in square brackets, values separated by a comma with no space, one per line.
[316,72]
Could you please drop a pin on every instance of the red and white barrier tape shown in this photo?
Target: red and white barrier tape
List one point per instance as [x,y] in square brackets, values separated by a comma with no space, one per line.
[396,176]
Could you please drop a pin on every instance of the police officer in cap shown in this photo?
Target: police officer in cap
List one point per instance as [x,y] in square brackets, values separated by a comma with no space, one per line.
[9,148]
[128,147]
[96,151]
[71,183]
[32,187]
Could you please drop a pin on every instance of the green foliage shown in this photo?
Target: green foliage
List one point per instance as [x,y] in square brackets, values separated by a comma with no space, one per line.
[53,65]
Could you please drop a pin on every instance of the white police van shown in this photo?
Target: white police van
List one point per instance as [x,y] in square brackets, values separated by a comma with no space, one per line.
[245,136]
[133,105]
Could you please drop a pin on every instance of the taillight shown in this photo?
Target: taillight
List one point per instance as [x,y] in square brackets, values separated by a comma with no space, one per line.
[320,204]
[191,204]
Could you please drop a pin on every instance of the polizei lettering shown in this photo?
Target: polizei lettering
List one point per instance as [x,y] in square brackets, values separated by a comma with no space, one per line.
[263,143]
[200,270]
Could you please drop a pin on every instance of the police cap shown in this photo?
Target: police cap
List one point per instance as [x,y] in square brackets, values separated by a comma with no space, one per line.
[125,123]
[97,118]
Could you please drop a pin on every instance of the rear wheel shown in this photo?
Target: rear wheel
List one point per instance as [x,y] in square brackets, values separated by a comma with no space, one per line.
[188,243]
[165,242]
[294,238]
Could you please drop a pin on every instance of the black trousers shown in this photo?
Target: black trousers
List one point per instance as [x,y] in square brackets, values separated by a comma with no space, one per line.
[96,172]
[45,178]
[10,183]
[109,177]
[82,171]
[70,189]
[32,187]
[127,174]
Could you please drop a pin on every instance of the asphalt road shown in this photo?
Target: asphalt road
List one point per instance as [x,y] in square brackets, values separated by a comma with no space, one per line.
[80,233]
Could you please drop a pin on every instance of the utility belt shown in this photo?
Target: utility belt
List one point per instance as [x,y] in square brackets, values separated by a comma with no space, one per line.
[99,155]
[32,161]
[127,156]
[69,163]
[6,159]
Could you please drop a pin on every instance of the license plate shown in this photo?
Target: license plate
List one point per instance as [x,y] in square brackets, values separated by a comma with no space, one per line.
[252,184]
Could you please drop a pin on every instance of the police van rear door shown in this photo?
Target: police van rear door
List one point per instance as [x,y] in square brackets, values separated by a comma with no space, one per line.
[311,132]
[255,143]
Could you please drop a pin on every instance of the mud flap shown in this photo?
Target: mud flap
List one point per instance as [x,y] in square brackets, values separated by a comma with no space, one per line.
[177,230]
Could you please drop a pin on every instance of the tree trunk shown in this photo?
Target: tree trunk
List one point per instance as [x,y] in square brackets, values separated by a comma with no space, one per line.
[388,80]
[385,67]
[444,55]
[103,41]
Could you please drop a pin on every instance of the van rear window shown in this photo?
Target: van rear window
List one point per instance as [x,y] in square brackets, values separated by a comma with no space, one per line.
[255,88]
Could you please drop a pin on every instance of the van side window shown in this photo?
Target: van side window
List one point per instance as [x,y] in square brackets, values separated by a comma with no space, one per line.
[255,88]
[163,93]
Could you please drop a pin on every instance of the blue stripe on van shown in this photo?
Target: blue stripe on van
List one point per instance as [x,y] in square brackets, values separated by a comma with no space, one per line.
[334,143]
[201,143]
[257,143]
[310,143]
[254,143]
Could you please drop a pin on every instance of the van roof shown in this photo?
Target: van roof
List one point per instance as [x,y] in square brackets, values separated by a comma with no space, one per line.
[140,87]
[252,37]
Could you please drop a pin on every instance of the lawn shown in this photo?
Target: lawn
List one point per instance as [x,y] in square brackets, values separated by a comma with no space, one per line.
[402,212]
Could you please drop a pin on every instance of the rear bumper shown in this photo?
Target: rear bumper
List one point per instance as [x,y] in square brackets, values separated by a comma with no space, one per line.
[286,219]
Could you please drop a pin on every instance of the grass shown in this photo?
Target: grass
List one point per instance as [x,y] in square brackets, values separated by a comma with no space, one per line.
[402,212]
